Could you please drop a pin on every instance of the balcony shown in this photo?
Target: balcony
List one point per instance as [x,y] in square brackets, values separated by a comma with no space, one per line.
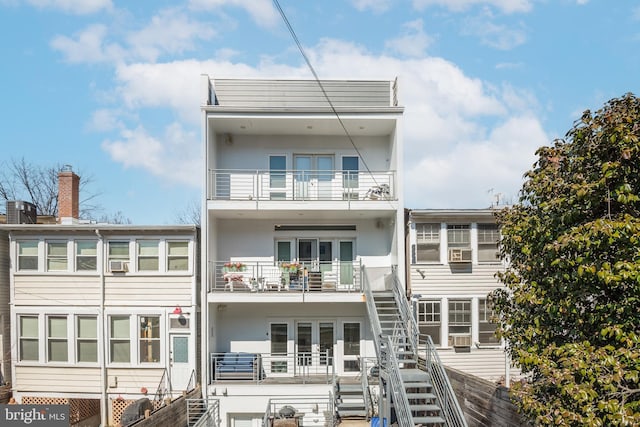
[310,185]
[293,277]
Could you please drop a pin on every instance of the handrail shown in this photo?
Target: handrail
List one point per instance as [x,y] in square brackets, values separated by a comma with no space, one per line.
[203,412]
[364,384]
[371,308]
[322,405]
[445,395]
[162,391]
[405,314]
[400,401]
[192,380]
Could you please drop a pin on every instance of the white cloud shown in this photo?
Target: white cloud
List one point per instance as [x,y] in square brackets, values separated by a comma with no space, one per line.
[494,35]
[462,136]
[582,2]
[413,42]
[170,31]
[261,11]
[376,6]
[507,6]
[175,156]
[104,120]
[88,46]
[79,7]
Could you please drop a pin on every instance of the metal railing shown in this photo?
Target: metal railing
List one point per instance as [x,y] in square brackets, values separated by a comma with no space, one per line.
[406,315]
[401,405]
[301,185]
[301,367]
[242,275]
[311,407]
[164,387]
[443,390]
[203,412]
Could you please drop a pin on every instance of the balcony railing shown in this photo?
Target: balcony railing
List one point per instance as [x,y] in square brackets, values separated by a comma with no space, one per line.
[320,185]
[301,367]
[267,276]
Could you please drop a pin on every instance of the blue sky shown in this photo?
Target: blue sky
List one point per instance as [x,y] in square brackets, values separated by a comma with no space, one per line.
[111,87]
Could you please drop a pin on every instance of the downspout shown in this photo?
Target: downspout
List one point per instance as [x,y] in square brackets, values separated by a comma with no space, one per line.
[104,409]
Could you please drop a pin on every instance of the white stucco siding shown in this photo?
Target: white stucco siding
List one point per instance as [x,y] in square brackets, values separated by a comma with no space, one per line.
[51,379]
[443,280]
[56,290]
[148,290]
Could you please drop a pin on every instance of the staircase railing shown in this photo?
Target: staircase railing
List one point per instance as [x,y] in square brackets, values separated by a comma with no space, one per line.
[203,412]
[405,313]
[371,309]
[400,401]
[445,395]
[164,387]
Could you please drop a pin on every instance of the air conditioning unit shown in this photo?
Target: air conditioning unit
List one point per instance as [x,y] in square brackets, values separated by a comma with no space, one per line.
[117,266]
[461,340]
[20,212]
[459,255]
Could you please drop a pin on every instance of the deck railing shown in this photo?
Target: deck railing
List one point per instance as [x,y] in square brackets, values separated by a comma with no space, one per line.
[308,185]
[312,408]
[267,276]
[299,368]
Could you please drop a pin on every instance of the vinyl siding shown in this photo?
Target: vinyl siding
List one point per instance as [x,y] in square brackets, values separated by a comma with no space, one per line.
[148,290]
[56,379]
[56,290]
[484,363]
[441,280]
[299,93]
[132,380]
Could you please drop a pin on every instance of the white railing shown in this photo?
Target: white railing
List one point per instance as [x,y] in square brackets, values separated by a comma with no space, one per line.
[267,276]
[320,185]
[300,367]
[203,412]
[311,408]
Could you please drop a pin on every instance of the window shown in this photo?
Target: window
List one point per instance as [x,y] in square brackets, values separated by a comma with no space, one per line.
[56,256]
[429,319]
[351,333]
[428,243]
[487,329]
[279,341]
[118,251]
[29,346]
[149,339]
[148,255]
[350,172]
[57,340]
[460,323]
[28,255]
[87,339]
[278,175]
[488,238]
[119,344]
[178,256]
[458,236]
[283,250]
[86,255]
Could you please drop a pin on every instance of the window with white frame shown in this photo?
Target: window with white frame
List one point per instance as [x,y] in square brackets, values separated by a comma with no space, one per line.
[118,251]
[29,338]
[458,236]
[28,255]
[279,342]
[119,339]
[488,238]
[429,320]
[486,326]
[57,339]
[86,339]
[149,339]
[428,242]
[86,255]
[177,256]
[459,323]
[148,255]
[56,256]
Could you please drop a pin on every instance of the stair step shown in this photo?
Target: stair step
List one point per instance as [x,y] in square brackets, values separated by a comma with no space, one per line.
[423,396]
[349,388]
[428,420]
[423,407]
[350,406]
[417,385]
[354,413]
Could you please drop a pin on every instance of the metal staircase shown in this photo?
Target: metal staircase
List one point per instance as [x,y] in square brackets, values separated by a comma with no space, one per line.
[411,377]
[350,400]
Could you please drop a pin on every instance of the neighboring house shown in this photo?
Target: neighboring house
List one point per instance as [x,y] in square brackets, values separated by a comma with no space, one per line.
[453,262]
[101,315]
[299,195]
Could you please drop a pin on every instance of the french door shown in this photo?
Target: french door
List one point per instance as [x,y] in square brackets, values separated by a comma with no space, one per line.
[313,176]
[314,347]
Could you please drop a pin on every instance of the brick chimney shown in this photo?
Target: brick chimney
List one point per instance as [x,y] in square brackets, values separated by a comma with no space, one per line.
[68,196]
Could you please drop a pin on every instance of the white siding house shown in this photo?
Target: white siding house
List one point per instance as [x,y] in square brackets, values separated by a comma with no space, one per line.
[454,259]
[102,315]
[300,193]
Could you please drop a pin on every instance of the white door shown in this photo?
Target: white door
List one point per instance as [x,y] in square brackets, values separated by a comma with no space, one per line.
[180,361]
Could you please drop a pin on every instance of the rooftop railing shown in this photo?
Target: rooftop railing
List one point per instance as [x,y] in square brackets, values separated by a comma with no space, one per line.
[310,185]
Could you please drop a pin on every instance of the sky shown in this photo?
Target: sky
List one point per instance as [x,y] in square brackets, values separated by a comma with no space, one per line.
[111,87]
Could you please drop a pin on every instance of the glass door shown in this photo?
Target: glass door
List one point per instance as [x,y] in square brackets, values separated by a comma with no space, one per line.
[302,176]
[346,262]
[326,343]
[308,253]
[304,345]
[313,176]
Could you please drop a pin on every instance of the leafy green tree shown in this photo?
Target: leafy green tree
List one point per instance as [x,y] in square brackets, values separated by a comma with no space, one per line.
[570,308]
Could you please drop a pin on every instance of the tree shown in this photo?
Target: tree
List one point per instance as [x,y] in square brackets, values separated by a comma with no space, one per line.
[190,214]
[570,308]
[21,180]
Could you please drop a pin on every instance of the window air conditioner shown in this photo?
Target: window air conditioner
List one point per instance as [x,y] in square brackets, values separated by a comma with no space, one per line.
[459,255]
[461,341]
[117,266]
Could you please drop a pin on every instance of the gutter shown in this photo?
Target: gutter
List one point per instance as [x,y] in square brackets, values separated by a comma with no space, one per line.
[104,408]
